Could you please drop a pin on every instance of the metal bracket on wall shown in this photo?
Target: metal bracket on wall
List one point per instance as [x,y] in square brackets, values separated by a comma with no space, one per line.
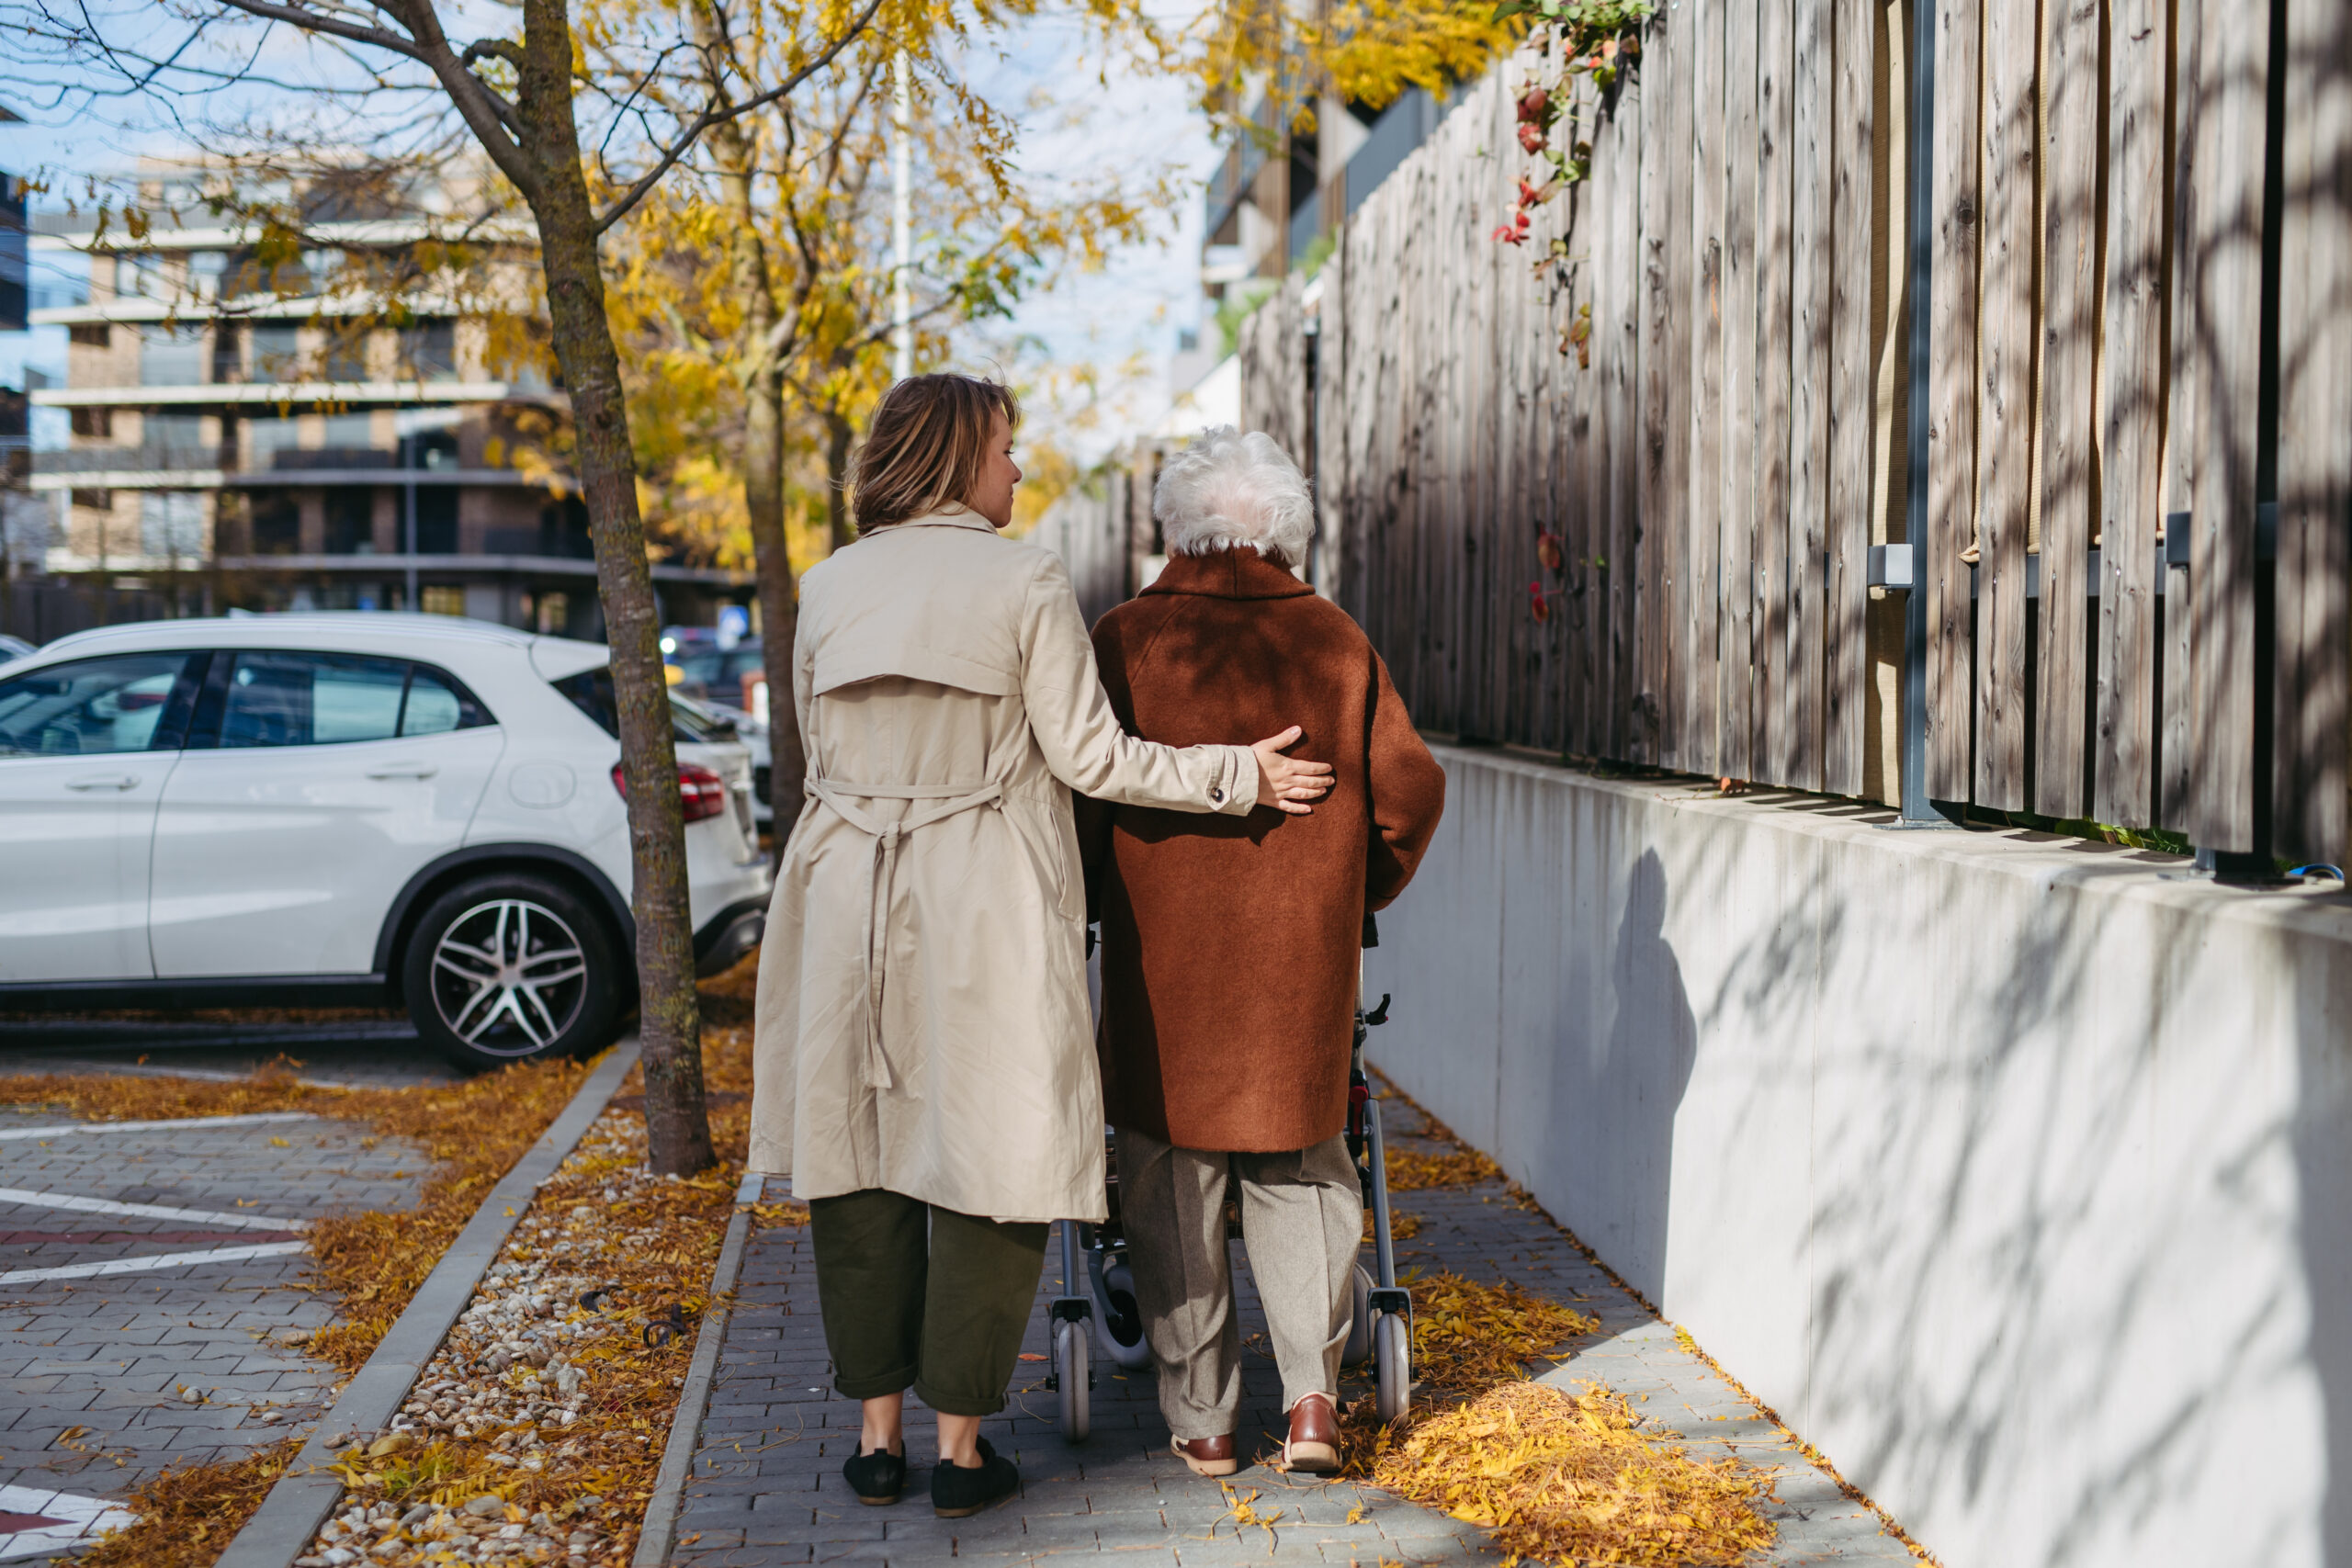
[1890,567]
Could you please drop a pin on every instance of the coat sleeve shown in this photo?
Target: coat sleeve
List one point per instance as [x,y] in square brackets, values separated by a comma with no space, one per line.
[1408,791]
[1095,817]
[1072,718]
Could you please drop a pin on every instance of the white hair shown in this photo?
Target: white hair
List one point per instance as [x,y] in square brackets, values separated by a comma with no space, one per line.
[1228,489]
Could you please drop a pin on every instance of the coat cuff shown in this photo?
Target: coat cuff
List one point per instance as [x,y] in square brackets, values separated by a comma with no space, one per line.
[1235,794]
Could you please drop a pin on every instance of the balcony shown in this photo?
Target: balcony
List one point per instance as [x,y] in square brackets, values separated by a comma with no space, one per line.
[155,464]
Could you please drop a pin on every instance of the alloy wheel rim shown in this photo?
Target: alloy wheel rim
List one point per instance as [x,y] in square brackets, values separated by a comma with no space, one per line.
[509,977]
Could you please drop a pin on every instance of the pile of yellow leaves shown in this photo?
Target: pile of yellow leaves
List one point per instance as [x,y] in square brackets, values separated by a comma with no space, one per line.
[1560,1477]
[1469,1337]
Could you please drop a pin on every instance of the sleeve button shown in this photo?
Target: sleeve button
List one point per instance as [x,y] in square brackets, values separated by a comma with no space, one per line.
[1217,794]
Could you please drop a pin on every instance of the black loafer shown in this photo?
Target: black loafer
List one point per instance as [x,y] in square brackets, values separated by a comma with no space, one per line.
[878,1478]
[956,1492]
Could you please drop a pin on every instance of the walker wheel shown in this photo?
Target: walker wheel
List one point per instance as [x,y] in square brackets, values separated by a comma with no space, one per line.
[1358,1349]
[1071,1378]
[1392,1349]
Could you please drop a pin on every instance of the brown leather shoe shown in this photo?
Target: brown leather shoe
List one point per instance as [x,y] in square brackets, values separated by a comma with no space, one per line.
[1206,1456]
[1314,1445]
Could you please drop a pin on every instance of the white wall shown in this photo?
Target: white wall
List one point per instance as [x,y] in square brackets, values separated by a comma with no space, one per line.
[2016,1175]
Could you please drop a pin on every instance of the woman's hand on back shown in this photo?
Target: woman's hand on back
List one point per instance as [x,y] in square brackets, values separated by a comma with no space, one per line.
[1287,784]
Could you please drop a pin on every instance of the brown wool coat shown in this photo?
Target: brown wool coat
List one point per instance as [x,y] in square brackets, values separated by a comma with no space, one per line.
[1230,943]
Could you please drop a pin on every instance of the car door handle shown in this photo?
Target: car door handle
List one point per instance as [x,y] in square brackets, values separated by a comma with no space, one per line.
[105,780]
[403,771]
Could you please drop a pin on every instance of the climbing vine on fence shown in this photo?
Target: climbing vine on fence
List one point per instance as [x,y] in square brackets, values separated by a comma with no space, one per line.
[1595,40]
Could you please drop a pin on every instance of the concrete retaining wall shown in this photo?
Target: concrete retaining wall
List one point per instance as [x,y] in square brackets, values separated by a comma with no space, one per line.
[2016,1176]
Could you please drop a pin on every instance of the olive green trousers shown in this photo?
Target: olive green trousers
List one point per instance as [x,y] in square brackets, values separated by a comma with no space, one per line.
[923,1298]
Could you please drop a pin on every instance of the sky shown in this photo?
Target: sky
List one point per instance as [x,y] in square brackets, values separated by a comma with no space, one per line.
[1120,324]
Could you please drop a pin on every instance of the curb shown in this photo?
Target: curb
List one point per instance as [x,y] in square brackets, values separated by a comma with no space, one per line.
[660,1529]
[282,1528]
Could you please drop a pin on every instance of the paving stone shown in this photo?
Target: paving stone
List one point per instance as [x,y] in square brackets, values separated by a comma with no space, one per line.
[108,1353]
[776,1434]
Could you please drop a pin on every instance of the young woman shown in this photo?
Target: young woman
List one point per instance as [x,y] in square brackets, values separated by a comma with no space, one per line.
[926,1066]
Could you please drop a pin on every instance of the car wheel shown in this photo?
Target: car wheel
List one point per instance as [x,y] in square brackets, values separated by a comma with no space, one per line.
[505,968]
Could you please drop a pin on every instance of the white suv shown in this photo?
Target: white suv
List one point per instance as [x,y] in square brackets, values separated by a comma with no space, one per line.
[345,810]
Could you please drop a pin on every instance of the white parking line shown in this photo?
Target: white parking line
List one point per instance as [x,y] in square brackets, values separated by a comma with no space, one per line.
[141,1265]
[78,1518]
[67,1128]
[146,1211]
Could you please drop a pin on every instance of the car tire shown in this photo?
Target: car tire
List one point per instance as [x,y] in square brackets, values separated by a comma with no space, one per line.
[510,968]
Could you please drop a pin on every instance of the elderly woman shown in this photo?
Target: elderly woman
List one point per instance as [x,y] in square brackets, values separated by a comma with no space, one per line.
[923,1066]
[1231,946]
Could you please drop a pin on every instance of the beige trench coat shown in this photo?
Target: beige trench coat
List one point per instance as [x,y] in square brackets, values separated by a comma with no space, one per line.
[922,1019]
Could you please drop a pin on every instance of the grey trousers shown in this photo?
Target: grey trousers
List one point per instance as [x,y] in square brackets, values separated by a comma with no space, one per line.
[1301,1218]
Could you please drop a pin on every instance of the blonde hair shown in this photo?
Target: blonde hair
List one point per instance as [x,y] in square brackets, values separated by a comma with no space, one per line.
[1228,489]
[926,448]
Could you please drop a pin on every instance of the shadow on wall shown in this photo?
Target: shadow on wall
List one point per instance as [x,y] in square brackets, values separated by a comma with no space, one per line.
[1653,1044]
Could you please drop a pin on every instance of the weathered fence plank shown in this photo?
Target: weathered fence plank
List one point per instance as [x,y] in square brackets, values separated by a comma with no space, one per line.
[1740,303]
[2005,427]
[1813,168]
[1951,391]
[1666,169]
[1703,751]
[2185,397]
[2131,412]
[2314,561]
[1775,245]
[2070,164]
[1619,317]
[1658,495]
[2226,328]
[1852,407]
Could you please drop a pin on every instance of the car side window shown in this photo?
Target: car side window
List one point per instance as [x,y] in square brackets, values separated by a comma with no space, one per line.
[93,706]
[276,698]
[438,703]
[268,697]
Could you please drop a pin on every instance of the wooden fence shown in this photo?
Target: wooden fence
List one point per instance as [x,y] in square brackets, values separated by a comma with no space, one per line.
[2137,338]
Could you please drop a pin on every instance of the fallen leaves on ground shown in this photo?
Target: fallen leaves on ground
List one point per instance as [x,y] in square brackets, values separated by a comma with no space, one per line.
[1469,1335]
[1412,1171]
[1560,1477]
[1402,1226]
[187,1516]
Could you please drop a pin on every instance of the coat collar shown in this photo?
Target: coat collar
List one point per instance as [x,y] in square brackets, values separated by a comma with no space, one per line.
[1240,573]
[955,514]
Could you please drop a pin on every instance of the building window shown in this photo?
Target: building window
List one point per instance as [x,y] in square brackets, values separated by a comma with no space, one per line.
[563,529]
[277,525]
[437,520]
[171,524]
[348,353]
[139,276]
[92,422]
[95,499]
[429,351]
[276,352]
[90,335]
[554,614]
[442,600]
[172,357]
[351,521]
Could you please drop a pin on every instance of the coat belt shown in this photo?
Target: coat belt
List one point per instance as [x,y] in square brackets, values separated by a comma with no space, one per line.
[949,800]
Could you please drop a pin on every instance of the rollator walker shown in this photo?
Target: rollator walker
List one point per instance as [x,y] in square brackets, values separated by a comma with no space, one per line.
[1380,1325]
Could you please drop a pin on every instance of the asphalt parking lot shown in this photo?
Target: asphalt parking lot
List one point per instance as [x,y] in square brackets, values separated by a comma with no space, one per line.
[150,1274]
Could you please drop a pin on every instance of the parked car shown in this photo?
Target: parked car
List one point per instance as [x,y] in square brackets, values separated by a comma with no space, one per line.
[14,648]
[705,671]
[738,726]
[345,810]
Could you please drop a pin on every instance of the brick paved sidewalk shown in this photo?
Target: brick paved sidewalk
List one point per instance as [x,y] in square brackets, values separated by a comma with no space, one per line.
[767,1487]
[92,1368]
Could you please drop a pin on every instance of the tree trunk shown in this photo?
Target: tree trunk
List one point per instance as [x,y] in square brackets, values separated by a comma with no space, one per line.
[677,1127]
[837,435]
[764,451]
[779,598]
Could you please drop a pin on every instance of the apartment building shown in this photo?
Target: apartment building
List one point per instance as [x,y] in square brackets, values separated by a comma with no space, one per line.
[248,433]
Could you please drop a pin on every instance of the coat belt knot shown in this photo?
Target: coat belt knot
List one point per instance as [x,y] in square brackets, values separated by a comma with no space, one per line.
[947,800]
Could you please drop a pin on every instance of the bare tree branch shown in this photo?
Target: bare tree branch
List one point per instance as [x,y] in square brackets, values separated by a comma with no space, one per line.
[721,113]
